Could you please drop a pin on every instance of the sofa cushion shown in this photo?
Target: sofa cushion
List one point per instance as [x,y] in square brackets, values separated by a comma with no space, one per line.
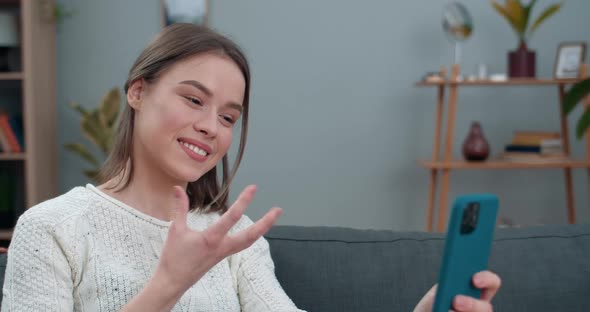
[336,269]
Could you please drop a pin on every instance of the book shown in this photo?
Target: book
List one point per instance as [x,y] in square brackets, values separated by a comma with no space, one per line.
[16,123]
[522,148]
[4,143]
[9,133]
[544,134]
[532,157]
[533,137]
[535,141]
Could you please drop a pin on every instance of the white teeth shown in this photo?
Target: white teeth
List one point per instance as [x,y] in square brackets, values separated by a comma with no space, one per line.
[194,149]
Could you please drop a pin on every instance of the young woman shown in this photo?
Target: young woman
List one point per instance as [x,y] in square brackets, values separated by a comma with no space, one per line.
[158,233]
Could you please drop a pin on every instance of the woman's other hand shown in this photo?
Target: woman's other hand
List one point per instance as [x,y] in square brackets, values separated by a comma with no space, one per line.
[488,282]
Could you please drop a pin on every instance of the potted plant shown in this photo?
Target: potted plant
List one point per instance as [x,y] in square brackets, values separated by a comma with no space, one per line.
[98,126]
[521,62]
[578,91]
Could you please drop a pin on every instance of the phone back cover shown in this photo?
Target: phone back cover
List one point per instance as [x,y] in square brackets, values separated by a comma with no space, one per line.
[469,252]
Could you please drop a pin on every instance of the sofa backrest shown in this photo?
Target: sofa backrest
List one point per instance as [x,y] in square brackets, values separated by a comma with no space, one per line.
[335,269]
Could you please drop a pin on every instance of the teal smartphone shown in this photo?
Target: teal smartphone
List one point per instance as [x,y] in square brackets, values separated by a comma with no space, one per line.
[468,242]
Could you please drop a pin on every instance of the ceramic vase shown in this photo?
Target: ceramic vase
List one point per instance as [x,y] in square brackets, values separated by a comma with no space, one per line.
[476,146]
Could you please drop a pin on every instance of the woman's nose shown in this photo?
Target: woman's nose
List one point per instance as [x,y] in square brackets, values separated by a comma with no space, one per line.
[207,125]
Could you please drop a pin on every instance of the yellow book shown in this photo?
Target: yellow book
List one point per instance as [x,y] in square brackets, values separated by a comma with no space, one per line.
[533,138]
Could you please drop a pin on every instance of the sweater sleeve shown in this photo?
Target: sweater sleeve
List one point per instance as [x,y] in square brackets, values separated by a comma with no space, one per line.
[257,286]
[38,276]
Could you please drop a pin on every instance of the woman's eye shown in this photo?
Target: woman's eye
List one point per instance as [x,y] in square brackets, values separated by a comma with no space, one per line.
[194,100]
[228,119]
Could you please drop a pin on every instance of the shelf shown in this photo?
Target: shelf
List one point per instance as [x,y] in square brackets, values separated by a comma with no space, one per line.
[499,164]
[9,2]
[13,156]
[11,76]
[509,82]
[6,234]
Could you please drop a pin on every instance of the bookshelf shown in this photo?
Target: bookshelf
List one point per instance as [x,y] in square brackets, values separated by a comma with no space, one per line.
[5,234]
[442,163]
[30,93]
[11,76]
[498,164]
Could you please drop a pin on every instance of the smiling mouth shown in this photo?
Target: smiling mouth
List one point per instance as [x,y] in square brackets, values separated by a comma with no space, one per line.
[194,148]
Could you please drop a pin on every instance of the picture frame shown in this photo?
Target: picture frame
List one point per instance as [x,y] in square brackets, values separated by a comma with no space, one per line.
[184,11]
[569,59]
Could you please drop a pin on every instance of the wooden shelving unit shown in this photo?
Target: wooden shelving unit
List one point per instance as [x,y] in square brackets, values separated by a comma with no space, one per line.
[11,76]
[5,234]
[444,163]
[491,164]
[13,156]
[491,83]
[35,170]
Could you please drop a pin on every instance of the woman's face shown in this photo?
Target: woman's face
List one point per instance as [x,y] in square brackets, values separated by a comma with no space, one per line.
[184,120]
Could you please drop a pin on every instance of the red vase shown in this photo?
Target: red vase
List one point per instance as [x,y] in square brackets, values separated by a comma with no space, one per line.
[475,146]
[521,63]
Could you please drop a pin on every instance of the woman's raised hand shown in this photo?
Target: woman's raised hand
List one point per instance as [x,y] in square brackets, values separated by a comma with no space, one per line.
[187,254]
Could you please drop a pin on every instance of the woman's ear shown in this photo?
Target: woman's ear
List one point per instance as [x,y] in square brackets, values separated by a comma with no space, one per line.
[135,93]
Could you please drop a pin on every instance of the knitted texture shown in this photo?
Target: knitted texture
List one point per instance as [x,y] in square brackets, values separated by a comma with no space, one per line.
[86,251]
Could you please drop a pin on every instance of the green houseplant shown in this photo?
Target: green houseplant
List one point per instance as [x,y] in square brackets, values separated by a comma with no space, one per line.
[571,100]
[98,126]
[521,62]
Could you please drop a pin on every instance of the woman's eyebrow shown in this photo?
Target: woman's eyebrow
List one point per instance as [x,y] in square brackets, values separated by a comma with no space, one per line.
[197,85]
[208,92]
[235,106]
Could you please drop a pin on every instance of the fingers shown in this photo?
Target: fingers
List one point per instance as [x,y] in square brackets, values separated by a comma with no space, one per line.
[247,237]
[232,215]
[180,207]
[467,304]
[489,283]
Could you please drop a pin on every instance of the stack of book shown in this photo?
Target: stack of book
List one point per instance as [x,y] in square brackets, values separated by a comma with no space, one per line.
[535,146]
[11,134]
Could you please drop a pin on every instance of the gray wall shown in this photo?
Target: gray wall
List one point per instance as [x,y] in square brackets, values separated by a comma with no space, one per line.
[337,124]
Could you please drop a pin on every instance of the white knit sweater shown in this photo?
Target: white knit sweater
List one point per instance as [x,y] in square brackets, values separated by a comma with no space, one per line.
[86,251]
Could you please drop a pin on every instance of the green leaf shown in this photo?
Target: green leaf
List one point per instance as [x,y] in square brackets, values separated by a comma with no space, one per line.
[92,174]
[92,129]
[575,95]
[82,152]
[79,109]
[583,124]
[507,15]
[531,5]
[548,12]
[526,17]
[519,15]
[109,108]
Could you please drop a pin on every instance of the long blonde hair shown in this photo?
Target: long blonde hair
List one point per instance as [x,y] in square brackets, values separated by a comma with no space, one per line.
[173,44]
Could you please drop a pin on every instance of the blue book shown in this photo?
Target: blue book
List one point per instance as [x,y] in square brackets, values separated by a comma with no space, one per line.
[16,123]
[522,148]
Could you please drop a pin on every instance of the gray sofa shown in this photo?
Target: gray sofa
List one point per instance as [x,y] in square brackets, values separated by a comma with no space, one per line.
[331,269]
[338,269]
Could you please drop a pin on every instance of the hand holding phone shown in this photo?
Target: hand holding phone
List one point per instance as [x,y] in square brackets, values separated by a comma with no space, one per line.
[467,247]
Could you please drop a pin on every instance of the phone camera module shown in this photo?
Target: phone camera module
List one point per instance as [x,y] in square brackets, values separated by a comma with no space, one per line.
[470,217]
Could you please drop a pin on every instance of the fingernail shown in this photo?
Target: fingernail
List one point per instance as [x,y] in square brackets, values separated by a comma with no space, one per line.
[462,303]
[478,281]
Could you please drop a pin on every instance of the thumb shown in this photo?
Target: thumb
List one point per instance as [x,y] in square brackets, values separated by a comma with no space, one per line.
[180,207]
